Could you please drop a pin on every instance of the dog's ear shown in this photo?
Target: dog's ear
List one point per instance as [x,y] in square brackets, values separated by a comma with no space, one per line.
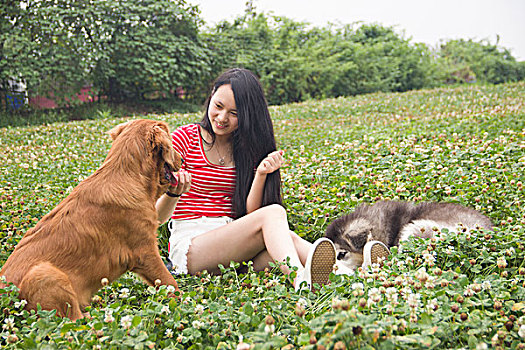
[161,142]
[159,137]
[117,130]
[356,232]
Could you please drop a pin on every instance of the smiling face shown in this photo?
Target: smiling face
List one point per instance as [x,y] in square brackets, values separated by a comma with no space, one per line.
[222,112]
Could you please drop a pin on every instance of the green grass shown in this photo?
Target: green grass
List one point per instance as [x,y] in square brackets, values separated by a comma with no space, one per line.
[463,145]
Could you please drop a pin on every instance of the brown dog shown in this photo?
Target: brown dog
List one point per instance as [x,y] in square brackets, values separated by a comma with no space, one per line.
[105,227]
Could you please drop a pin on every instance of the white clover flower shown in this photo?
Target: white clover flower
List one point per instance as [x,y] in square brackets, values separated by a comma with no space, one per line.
[269,328]
[495,339]
[126,321]
[429,259]
[124,293]
[165,310]
[482,346]
[374,296]
[413,300]
[476,287]
[422,274]
[432,306]
[336,303]
[383,276]
[521,331]
[485,285]
[169,333]
[199,309]
[170,289]
[197,324]
[108,316]
[406,291]
[413,315]
[358,292]
[20,304]
[399,280]
[9,323]
[468,292]
[391,294]
[358,285]
[502,262]
[430,284]
[400,264]
[374,293]
[242,345]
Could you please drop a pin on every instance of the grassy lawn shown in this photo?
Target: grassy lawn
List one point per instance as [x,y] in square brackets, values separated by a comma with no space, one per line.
[463,145]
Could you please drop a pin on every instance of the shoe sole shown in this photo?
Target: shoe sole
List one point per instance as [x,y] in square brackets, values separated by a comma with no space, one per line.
[323,260]
[378,252]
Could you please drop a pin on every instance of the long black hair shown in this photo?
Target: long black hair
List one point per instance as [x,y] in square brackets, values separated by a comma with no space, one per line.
[252,141]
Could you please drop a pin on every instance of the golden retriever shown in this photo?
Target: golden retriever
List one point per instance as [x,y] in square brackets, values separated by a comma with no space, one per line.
[105,227]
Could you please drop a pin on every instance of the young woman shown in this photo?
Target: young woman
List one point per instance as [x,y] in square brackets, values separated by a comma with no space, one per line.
[227,204]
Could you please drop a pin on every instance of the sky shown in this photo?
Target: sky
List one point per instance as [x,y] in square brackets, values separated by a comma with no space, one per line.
[426,21]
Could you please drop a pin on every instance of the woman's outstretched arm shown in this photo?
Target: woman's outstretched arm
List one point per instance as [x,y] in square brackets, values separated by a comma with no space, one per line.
[166,204]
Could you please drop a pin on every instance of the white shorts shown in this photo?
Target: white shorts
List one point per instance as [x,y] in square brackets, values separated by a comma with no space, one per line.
[181,234]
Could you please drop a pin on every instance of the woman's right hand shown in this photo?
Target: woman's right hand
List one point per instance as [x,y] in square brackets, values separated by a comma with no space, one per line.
[271,163]
[183,183]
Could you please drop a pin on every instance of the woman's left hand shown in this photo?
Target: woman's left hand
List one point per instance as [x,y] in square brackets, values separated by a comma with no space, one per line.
[271,163]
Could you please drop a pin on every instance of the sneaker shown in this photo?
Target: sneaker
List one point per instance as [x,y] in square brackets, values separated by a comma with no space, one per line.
[302,280]
[319,264]
[374,252]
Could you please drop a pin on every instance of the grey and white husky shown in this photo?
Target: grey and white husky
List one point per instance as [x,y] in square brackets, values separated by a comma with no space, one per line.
[391,222]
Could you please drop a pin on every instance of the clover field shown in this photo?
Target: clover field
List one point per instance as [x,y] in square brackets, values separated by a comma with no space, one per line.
[461,291]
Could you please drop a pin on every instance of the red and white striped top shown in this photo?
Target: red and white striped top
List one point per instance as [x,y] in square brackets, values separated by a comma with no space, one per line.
[212,186]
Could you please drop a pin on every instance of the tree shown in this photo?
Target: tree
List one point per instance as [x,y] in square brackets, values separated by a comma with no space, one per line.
[469,60]
[149,45]
[125,48]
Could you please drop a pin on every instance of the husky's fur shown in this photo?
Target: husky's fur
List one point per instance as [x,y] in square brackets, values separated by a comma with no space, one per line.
[393,221]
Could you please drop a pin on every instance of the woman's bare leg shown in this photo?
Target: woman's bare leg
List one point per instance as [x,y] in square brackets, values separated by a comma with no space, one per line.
[244,239]
[302,247]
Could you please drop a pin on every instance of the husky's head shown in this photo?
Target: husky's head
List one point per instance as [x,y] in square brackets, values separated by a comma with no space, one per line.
[349,236]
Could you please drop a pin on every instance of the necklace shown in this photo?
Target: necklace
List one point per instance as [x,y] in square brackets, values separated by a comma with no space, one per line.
[221,158]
